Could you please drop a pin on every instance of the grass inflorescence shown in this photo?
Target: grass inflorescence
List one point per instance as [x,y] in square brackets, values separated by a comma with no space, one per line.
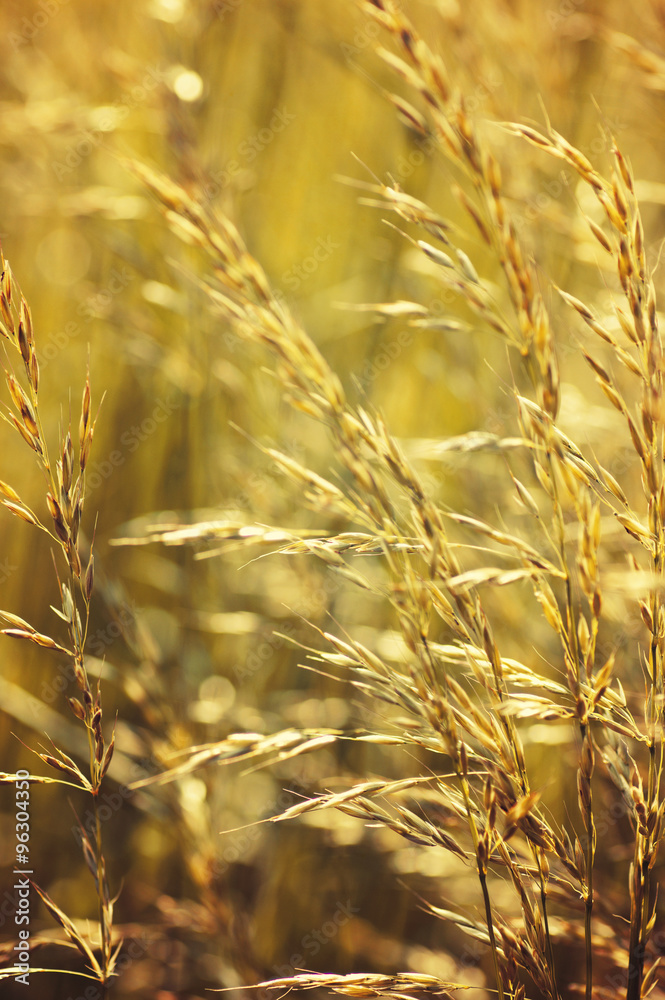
[61,522]
[497,610]
[463,698]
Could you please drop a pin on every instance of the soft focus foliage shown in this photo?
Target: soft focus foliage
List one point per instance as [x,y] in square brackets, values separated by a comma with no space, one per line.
[276,114]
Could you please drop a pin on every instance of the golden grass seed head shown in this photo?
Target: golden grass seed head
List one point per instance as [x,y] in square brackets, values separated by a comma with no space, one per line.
[33,372]
[626,174]
[23,344]
[463,759]
[612,214]
[620,201]
[600,235]
[583,634]
[31,440]
[6,281]
[56,764]
[9,493]
[7,324]
[108,756]
[89,578]
[20,511]
[638,444]
[77,708]
[67,462]
[58,520]
[475,215]
[85,412]
[408,114]
[36,637]
[82,680]
[89,855]
[23,405]
[86,446]
[73,558]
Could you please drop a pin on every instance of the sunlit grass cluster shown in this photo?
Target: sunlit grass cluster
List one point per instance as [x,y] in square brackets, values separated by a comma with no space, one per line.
[376,499]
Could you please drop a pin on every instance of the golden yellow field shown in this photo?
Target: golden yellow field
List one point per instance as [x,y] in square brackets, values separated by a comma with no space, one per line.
[362,513]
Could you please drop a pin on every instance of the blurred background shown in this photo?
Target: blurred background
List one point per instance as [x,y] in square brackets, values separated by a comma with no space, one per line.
[271,108]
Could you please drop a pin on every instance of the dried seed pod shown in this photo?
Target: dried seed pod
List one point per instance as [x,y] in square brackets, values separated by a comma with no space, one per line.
[89,577]
[77,708]
[74,559]
[30,440]
[620,201]
[67,463]
[107,757]
[96,721]
[436,255]
[6,282]
[33,372]
[23,344]
[67,603]
[82,681]
[624,169]
[463,759]
[23,405]
[89,855]
[36,637]
[58,520]
[84,425]
[8,492]
[85,449]
[56,764]
[599,234]
[76,513]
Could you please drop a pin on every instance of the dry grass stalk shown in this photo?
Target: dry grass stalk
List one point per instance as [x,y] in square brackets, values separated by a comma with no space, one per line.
[462,699]
[65,499]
